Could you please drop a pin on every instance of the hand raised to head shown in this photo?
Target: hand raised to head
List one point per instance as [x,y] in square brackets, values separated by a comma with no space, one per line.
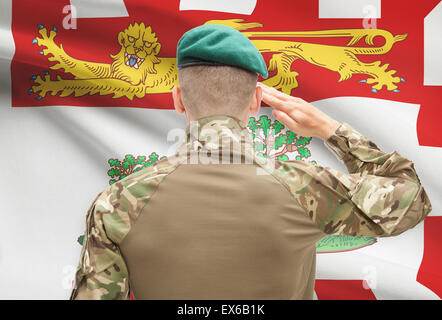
[298,115]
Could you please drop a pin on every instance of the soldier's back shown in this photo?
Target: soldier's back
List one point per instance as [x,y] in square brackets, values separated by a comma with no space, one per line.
[221,231]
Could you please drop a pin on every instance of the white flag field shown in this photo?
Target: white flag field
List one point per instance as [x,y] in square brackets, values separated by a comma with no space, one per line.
[66,135]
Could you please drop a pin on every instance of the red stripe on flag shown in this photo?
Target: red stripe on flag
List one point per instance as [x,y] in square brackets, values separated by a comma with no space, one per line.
[343,290]
[429,273]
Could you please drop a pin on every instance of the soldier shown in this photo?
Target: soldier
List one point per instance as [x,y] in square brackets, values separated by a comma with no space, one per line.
[194,227]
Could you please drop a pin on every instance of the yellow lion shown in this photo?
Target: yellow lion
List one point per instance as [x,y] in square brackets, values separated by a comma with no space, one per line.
[136,70]
[341,59]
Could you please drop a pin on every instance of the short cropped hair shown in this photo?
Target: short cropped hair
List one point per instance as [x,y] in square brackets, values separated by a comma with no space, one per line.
[210,90]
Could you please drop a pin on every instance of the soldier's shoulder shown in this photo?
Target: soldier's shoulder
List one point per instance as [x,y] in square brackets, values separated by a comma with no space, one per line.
[282,170]
[305,168]
[296,174]
[119,205]
[160,169]
[290,167]
[140,184]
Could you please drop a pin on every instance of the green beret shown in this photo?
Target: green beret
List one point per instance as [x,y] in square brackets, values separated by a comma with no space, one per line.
[214,44]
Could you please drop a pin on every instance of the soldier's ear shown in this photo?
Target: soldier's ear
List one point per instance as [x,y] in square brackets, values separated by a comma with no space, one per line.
[177,101]
[255,104]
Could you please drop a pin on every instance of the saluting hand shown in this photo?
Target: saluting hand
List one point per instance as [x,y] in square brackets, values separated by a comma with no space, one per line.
[298,115]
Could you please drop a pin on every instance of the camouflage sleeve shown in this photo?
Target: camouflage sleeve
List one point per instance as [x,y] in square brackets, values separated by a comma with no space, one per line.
[360,155]
[101,273]
[382,196]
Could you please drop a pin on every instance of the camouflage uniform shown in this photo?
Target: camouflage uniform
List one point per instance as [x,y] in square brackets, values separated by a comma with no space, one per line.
[239,231]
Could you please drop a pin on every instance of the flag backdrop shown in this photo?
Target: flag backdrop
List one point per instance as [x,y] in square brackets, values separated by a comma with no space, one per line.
[85,101]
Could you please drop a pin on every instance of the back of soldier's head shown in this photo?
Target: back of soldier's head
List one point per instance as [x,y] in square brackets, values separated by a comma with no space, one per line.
[218,69]
[208,90]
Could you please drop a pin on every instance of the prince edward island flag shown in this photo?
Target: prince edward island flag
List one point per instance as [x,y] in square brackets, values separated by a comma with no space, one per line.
[86,100]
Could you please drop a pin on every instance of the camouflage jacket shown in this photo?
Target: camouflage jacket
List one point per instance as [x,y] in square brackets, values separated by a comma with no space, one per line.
[380,196]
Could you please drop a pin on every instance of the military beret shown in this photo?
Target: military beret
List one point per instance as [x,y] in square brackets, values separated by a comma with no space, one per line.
[214,44]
